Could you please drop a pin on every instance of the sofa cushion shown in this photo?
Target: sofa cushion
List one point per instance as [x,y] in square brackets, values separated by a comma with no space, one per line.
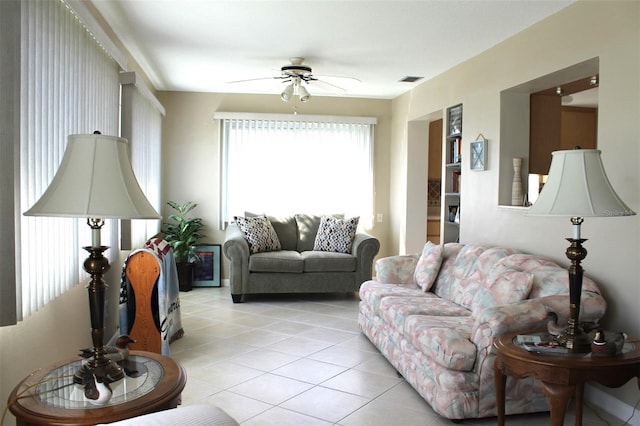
[428,266]
[396,309]
[259,233]
[373,292]
[285,227]
[443,339]
[276,261]
[323,261]
[336,235]
[308,229]
[507,287]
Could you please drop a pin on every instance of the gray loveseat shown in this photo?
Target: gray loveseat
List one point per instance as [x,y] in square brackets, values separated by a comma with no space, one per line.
[296,267]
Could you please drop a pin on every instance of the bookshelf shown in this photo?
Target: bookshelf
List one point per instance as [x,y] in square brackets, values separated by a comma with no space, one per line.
[452,176]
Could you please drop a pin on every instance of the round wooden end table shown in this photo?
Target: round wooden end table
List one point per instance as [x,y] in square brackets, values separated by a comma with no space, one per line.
[49,396]
[562,375]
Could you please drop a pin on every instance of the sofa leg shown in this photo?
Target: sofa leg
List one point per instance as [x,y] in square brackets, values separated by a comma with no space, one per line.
[237,298]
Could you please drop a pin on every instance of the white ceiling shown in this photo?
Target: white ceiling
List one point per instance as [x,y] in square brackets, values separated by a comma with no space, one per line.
[200,45]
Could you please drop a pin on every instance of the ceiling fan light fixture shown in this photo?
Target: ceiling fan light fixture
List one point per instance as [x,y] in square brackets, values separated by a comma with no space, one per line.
[304,95]
[287,92]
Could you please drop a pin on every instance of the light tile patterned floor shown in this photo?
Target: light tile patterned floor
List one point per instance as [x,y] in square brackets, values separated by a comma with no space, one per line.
[301,360]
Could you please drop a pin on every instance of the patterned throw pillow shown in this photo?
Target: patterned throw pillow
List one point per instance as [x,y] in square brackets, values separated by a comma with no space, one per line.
[428,266]
[336,235]
[259,233]
[508,287]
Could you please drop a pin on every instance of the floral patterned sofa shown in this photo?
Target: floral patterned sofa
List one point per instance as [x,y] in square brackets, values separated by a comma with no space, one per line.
[435,316]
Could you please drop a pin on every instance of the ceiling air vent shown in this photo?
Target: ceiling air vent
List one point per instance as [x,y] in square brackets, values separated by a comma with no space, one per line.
[410,79]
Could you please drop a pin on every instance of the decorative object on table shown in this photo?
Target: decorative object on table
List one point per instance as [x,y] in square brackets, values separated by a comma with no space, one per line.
[479,154]
[96,388]
[208,269]
[517,193]
[603,345]
[183,233]
[95,181]
[577,187]
[115,353]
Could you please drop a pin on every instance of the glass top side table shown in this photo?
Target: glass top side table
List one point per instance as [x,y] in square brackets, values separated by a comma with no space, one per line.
[48,396]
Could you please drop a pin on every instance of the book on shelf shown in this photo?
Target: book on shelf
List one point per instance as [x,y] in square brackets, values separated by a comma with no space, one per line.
[455,151]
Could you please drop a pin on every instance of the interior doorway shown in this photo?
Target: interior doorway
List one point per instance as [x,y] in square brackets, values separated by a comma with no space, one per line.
[434,181]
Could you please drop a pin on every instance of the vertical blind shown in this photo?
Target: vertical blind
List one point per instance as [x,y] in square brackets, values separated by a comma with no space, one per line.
[142,126]
[68,85]
[297,164]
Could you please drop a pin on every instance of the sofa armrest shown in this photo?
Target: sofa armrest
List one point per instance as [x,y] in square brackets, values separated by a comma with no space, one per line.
[365,248]
[397,269]
[236,249]
[532,314]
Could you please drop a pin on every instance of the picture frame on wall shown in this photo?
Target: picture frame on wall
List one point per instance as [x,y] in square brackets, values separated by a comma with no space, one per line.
[478,155]
[207,271]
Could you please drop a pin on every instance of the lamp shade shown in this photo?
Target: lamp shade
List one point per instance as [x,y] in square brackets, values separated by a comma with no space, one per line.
[95,180]
[578,186]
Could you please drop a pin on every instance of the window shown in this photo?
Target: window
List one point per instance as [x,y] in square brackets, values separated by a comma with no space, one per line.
[68,84]
[283,164]
[142,126]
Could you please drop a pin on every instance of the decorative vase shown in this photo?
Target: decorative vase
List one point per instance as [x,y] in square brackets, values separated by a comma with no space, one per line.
[516,186]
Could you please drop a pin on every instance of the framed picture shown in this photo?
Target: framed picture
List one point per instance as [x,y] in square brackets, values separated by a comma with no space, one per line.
[454,120]
[207,270]
[478,155]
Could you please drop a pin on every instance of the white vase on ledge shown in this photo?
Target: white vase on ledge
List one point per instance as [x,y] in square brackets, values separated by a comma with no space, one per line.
[516,186]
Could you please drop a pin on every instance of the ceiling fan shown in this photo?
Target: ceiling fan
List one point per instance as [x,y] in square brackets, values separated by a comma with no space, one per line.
[296,74]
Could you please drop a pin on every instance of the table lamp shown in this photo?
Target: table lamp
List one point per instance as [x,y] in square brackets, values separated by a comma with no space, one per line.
[577,187]
[95,181]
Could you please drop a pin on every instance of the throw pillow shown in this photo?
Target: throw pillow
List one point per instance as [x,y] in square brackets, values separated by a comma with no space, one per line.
[428,266]
[508,287]
[259,233]
[336,235]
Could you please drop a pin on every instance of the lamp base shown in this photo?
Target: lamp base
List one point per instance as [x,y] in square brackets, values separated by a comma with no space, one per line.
[574,339]
[104,371]
[99,370]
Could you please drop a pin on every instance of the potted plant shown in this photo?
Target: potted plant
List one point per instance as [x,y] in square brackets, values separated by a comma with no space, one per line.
[183,233]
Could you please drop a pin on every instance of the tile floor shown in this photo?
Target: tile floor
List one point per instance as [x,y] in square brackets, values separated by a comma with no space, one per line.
[301,360]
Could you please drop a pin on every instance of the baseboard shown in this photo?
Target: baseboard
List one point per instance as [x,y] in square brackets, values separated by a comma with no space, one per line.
[605,402]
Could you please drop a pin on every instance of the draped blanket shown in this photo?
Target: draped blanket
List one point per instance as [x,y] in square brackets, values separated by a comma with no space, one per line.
[165,303]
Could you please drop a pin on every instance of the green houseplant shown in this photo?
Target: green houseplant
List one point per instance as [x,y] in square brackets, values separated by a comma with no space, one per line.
[183,232]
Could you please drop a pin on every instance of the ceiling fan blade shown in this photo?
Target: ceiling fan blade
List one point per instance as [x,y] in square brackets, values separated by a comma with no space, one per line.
[255,79]
[337,77]
[325,85]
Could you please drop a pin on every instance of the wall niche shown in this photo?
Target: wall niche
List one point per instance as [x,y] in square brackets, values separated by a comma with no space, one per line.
[554,112]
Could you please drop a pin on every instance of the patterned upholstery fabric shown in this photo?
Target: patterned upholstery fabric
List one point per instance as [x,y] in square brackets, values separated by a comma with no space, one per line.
[508,287]
[442,346]
[428,265]
[336,235]
[259,233]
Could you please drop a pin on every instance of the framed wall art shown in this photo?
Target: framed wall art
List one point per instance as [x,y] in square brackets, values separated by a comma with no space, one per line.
[478,155]
[207,271]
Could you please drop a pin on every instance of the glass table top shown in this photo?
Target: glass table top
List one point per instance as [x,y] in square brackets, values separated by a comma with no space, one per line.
[57,388]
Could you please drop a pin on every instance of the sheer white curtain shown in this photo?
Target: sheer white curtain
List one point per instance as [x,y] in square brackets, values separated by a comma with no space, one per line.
[297,164]
[142,125]
[68,85]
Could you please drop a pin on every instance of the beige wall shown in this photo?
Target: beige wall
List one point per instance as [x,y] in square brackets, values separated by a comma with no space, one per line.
[566,38]
[191,148]
[609,30]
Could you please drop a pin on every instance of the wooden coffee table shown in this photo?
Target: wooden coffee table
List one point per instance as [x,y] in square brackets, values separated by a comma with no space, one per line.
[49,397]
[562,376]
